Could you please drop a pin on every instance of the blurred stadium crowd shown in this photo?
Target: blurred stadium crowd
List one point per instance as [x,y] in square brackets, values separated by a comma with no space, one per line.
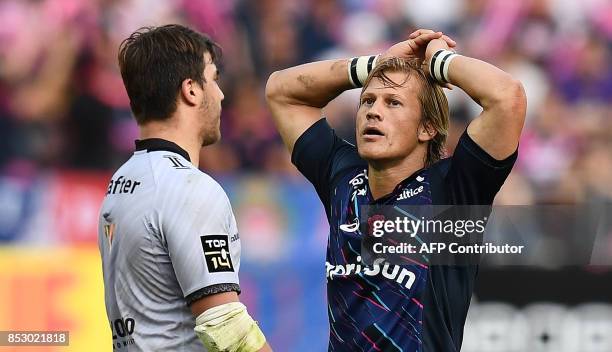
[64,112]
[63,105]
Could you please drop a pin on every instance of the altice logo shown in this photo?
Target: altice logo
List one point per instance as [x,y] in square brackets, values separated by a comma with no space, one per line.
[409,193]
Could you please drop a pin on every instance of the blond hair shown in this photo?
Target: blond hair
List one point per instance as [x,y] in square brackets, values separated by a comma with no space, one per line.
[434,105]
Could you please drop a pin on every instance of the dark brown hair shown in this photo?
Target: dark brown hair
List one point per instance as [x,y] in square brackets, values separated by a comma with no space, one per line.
[154,61]
[434,105]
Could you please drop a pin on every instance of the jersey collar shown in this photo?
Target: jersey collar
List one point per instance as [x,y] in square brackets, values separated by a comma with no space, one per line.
[156,144]
[398,188]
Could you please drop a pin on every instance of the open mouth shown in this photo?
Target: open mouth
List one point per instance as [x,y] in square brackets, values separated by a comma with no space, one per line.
[372,131]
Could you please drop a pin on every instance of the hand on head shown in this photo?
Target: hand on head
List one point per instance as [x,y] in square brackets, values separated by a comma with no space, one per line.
[421,44]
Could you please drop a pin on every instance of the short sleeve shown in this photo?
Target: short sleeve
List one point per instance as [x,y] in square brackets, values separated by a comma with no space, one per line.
[474,176]
[201,236]
[320,155]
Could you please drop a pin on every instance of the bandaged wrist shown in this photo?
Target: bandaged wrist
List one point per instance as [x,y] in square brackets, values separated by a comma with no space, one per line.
[228,327]
[359,68]
[439,64]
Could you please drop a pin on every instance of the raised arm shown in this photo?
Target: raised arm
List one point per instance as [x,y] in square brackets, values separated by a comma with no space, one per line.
[498,128]
[296,95]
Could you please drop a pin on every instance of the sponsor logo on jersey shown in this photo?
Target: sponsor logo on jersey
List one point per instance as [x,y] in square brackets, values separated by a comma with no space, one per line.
[122,330]
[353,227]
[359,187]
[392,272]
[409,193]
[176,162]
[420,178]
[217,253]
[122,185]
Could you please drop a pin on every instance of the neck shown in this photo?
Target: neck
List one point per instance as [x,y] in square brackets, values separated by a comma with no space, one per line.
[170,131]
[383,177]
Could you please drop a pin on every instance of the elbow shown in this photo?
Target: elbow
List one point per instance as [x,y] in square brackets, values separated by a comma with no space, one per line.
[517,101]
[517,94]
[274,87]
[511,100]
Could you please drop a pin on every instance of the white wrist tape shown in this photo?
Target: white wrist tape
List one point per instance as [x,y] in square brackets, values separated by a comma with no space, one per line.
[359,68]
[229,328]
[440,62]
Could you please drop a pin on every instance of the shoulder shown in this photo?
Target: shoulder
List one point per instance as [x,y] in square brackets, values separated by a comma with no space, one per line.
[440,167]
[320,142]
[322,156]
[176,176]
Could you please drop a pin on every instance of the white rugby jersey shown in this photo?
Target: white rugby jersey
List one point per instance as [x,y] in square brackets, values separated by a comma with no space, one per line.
[167,236]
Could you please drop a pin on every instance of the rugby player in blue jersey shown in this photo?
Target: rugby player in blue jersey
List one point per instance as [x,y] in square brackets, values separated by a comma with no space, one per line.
[401,128]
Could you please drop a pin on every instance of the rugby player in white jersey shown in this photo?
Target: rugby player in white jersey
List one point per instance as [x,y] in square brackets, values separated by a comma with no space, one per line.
[167,235]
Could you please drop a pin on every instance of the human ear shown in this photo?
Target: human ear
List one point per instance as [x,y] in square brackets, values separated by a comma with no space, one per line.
[426,132]
[189,91]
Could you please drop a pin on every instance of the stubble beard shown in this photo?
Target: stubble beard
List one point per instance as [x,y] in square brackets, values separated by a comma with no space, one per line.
[211,116]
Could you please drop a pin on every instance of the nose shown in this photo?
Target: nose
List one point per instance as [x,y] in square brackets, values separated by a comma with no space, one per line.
[373,112]
[222,95]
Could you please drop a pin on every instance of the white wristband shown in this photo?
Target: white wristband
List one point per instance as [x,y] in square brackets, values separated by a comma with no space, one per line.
[359,68]
[440,62]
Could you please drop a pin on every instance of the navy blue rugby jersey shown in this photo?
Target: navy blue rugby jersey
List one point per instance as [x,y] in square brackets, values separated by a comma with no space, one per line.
[389,307]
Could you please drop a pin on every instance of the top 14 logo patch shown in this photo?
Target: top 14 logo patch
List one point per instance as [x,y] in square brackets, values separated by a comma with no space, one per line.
[217,253]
